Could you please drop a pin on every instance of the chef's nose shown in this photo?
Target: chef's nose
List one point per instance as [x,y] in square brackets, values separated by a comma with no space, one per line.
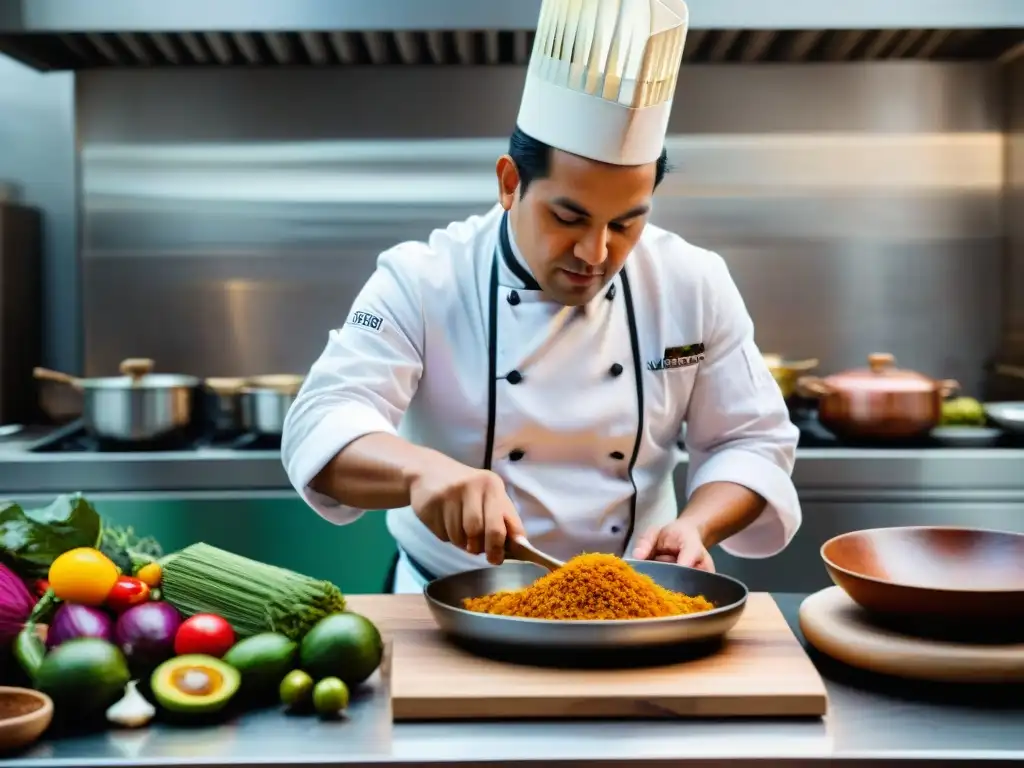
[593,247]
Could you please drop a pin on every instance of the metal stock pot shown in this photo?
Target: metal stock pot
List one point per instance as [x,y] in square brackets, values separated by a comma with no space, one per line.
[137,406]
[265,402]
[880,401]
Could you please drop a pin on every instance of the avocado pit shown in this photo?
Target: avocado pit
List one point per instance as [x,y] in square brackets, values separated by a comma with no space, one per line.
[197,681]
[194,684]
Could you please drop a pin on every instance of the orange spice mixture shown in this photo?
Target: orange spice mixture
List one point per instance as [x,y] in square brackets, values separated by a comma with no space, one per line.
[592,586]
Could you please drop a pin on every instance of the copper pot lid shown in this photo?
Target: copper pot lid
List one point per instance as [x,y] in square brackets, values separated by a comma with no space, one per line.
[882,375]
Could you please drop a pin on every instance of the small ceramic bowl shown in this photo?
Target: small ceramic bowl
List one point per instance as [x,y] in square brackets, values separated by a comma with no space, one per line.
[24,716]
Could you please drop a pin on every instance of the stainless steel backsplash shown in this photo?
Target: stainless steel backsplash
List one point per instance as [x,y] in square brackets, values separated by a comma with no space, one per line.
[231,216]
[1013,350]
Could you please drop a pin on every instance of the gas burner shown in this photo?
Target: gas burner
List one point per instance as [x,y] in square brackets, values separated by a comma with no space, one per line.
[73,438]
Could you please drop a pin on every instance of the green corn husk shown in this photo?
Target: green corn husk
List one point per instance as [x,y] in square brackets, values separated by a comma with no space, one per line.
[253,597]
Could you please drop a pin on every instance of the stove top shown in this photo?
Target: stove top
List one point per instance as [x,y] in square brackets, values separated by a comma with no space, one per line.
[73,438]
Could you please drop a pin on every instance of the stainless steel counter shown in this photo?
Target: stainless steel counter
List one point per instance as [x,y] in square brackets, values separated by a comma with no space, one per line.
[820,472]
[870,720]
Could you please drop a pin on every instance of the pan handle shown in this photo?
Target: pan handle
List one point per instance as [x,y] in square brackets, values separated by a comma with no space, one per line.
[45,374]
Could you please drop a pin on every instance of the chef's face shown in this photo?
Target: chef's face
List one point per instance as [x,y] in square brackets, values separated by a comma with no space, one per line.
[576,226]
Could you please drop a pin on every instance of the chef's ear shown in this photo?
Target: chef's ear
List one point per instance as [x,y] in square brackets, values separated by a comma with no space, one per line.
[508,181]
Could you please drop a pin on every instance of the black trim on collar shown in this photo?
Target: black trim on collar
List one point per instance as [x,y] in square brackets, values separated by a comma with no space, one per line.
[529,283]
[638,372]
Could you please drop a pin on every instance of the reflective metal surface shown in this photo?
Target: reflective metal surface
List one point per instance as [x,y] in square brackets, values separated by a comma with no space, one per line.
[147,413]
[871,721]
[61,16]
[445,596]
[1012,387]
[859,207]
[453,39]
[38,152]
[263,410]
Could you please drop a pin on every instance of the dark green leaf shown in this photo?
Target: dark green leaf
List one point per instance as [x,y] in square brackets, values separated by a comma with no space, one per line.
[31,539]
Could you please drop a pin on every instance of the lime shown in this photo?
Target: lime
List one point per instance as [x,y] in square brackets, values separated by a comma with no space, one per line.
[330,696]
[343,645]
[295,688]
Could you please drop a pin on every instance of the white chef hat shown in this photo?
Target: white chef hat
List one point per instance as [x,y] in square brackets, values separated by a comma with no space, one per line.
[602,76]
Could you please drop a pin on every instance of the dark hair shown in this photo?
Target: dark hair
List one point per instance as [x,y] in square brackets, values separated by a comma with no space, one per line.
[533,160]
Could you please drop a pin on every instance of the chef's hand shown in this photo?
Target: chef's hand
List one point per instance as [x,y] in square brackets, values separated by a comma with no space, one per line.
[678,542]
[466,506]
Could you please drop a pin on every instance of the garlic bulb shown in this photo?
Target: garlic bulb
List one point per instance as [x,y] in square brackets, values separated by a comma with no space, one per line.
[132,711]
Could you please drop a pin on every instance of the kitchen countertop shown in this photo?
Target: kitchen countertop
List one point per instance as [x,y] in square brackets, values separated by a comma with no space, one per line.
[870,719]
[212,471]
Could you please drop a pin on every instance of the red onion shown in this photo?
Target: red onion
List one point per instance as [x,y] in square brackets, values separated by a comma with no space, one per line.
[72,621]
[16,604]
[146,632]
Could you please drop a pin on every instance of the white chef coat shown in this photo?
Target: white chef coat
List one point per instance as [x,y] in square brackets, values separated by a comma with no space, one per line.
[588,402]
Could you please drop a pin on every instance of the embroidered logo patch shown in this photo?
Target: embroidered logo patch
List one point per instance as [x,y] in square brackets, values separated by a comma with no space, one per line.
[678,357]
[367,320]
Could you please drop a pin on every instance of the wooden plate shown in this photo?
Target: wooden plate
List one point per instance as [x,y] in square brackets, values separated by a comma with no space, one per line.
[838,627]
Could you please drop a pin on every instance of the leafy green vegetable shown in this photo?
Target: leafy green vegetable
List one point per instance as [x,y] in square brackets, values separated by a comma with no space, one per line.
[31,539]
[129,551]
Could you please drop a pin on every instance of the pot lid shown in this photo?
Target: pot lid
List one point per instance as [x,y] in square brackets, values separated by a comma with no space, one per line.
[882,375]
[149,381]
[225,385]
[284,383]
[137,374]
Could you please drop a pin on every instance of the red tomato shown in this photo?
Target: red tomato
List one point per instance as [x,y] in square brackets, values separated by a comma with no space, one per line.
[127,592]
[204,633]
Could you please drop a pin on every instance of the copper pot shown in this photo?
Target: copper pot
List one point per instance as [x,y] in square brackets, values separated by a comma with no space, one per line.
[787,372]
[880,401]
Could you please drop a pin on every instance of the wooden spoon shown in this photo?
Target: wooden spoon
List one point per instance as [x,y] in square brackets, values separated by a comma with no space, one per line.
[518,548]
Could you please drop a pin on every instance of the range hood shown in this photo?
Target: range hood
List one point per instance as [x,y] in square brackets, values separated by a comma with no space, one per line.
[84,34]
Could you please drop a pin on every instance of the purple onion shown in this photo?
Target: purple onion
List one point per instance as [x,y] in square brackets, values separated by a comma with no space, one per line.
[146,632]
[16,604]
[74,621]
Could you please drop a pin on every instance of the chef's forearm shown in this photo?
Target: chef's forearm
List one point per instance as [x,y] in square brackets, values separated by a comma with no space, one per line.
[374,472]
[722,509]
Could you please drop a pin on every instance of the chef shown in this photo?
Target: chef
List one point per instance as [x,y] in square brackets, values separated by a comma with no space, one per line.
[529,371]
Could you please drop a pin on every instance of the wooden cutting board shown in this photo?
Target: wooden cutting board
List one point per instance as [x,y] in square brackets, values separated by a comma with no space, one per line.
[762,670]
[839,628]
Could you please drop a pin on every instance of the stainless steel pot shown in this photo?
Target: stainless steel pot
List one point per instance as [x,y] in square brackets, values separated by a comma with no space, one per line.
[137,406]
[222,405]
[265,403]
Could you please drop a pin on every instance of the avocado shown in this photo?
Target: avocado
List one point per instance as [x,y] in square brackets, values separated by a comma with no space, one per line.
[194,684]
[83,676]
[343,645]
[263,661]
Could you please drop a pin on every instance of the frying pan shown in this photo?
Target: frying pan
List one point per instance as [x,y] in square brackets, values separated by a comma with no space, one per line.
[445,595]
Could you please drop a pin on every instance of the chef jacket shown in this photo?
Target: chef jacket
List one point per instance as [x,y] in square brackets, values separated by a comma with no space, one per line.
[452,345]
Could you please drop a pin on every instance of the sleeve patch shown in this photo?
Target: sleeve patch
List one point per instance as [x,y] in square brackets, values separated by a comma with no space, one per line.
[366,321]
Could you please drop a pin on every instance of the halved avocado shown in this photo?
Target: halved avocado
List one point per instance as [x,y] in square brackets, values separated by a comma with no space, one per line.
[194,683]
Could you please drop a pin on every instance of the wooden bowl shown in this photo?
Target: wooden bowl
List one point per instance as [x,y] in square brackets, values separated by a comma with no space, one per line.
[937,574]
[24,716]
